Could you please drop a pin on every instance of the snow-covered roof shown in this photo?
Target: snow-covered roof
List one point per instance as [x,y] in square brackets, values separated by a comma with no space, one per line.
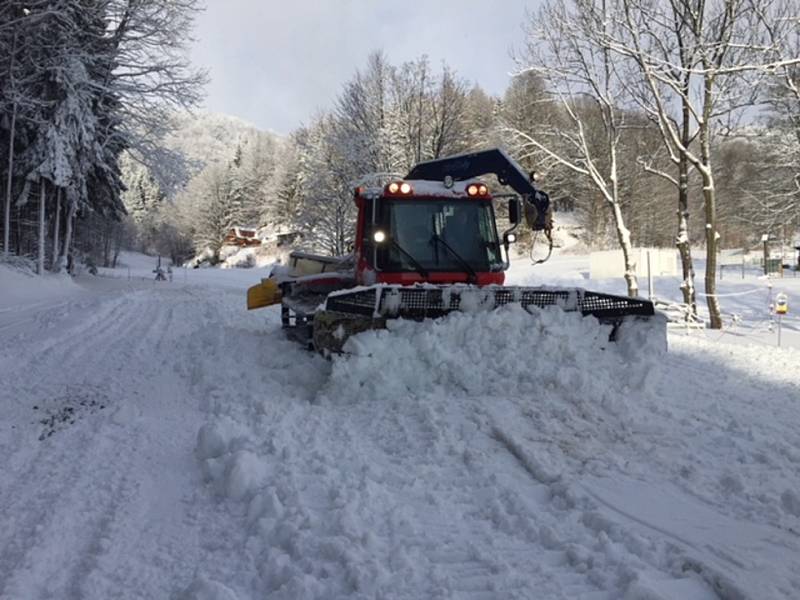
[247,232]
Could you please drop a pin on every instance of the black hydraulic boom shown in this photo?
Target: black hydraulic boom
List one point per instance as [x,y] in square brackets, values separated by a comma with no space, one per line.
[494,161]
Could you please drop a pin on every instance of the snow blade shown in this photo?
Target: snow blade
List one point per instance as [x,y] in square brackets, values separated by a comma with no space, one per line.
[350,311]
[429,301]
[263,294]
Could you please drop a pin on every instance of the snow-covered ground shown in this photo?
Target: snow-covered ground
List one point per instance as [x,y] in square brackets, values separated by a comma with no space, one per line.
[159,441]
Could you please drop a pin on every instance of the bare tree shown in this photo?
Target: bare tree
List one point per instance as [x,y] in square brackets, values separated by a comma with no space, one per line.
[707,60]
[564,49]
[448,112]
[151,73]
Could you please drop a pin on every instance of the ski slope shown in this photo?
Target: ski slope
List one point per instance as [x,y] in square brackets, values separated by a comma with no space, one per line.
[159,441]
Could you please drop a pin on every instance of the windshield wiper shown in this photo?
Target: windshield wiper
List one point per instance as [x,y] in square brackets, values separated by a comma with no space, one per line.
[414,262]
[473,276]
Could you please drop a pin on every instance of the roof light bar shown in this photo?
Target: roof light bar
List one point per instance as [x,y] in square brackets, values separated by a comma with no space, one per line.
[400,187]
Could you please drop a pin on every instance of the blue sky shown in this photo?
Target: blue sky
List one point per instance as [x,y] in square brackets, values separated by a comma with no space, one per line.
[276,62]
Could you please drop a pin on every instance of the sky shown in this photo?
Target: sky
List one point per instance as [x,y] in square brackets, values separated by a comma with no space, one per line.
[275,63]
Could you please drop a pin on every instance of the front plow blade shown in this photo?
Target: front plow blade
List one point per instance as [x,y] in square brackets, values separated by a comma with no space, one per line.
[263,294]
[351,311]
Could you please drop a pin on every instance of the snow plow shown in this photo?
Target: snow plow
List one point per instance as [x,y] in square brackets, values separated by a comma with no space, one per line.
[427,245]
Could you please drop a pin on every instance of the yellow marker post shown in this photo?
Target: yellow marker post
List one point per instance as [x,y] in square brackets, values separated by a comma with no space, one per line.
[781,308]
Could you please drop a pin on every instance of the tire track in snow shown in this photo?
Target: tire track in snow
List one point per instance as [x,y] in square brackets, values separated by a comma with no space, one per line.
[29,519]
[84,531]
[56,515]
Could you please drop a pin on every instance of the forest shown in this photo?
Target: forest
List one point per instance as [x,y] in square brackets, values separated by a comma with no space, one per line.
[667,124]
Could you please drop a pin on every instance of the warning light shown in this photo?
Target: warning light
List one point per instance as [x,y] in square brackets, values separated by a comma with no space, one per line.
[399,187]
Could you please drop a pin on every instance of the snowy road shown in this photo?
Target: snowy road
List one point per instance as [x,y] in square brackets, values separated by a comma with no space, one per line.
[164,443]
[110,503]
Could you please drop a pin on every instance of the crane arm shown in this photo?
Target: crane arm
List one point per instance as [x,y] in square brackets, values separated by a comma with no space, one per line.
[494,161]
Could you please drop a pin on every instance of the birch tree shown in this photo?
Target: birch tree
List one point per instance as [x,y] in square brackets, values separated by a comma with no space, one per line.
[706,59]
[564,50]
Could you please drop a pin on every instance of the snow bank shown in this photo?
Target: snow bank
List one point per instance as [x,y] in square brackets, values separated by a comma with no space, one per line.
[20,286]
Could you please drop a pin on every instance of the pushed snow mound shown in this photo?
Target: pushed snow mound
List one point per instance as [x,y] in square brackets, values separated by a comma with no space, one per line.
[507,351]
[501,454]
[21,287]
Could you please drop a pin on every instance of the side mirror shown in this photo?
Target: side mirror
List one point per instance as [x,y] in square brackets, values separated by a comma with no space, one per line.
[514,211]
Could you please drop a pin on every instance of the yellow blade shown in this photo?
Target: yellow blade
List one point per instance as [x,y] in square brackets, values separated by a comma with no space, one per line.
[264,294]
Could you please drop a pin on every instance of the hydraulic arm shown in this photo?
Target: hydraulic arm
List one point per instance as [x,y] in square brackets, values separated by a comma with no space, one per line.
[498,163]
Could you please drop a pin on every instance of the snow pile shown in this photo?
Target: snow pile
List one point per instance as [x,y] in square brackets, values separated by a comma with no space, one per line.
[205,589]
[235,257]
[232,257]
[508,350]
[19,286]
[444,458]
[362,493]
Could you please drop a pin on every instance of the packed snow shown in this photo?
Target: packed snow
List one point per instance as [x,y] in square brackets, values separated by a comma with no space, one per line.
[160,441]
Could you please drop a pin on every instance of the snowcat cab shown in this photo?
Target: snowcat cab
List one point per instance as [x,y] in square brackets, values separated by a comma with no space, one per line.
[426,245]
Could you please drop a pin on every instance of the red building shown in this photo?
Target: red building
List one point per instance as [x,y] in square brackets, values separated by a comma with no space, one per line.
[241,236]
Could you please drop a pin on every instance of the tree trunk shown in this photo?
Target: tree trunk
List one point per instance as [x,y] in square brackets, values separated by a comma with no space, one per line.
[118,246]
[624,238]
[9,179]
[107,232]
[623,233]
[56,232]
[68,239]
[710,197]
[682,239]
[42,192]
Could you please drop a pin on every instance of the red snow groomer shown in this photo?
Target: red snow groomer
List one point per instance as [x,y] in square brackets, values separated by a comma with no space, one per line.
[426,245]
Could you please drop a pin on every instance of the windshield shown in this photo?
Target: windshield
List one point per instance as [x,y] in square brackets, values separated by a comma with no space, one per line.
[441,235]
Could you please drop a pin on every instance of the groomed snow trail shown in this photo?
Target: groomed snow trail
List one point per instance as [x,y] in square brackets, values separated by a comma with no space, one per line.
[101,496]
[193,453]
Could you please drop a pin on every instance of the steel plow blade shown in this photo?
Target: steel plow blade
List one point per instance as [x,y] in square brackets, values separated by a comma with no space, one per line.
[350,311]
